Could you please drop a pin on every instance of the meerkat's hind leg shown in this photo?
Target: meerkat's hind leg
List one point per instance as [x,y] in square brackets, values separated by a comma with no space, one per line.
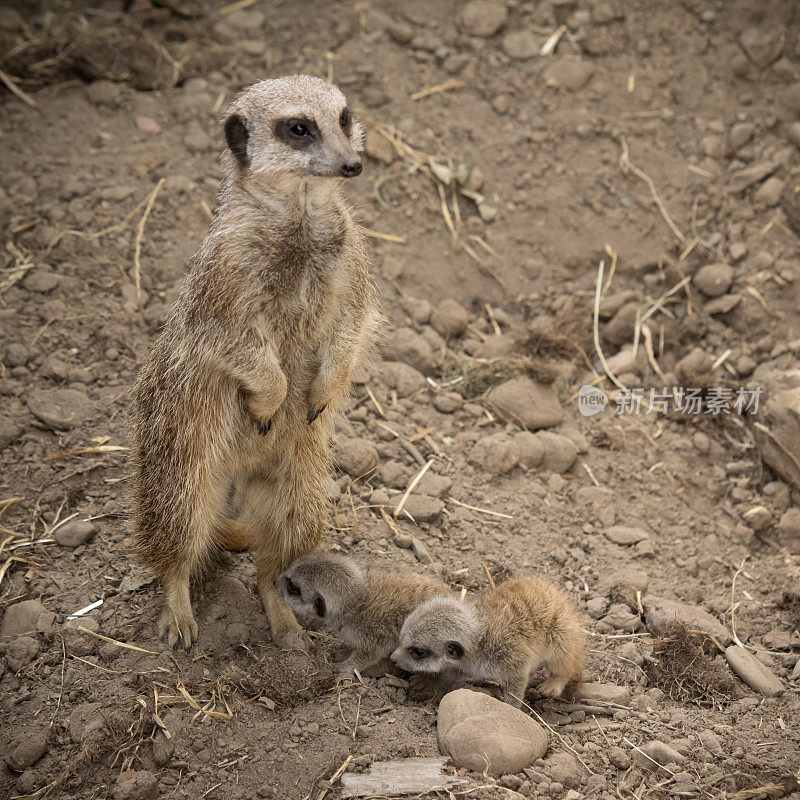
[177,624]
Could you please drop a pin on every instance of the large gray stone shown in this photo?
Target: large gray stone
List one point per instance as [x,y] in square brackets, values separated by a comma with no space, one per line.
[753,672]
[481,733]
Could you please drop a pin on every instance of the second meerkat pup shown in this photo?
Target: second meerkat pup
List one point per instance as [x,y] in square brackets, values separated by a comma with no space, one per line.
[366,608]
[244,385]
[504,636]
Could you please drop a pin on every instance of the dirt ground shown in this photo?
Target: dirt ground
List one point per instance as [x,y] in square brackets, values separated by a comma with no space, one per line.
[658,137]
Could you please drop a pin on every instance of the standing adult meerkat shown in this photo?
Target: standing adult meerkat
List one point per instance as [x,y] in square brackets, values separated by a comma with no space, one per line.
[365,607]
[507,634]
[243,387]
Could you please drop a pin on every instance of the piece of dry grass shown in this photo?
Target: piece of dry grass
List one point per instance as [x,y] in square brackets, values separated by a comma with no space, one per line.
[683,669]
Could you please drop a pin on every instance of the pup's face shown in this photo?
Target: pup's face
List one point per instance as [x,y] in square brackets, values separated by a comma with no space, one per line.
[435,637]
[317,587]
[298,125]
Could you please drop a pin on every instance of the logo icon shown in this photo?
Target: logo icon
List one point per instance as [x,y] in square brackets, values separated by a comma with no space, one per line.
[591,400]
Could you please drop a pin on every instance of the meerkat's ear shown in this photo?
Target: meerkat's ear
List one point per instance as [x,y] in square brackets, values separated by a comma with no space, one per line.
[454,650]
[319,606]
[237,137]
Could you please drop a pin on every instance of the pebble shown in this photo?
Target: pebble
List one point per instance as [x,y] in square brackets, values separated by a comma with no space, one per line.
[560,452]
[27,752]
[757,518]
[520,44]
[75,533]
[136,785]
[753,672]
[781,415]
[528,403]
[16,355]
[446,403]
[596,607]
[661,612]
[356,457]
[497,453]
[531,449]
[723,304]
[602,692]
[102,92]
[769,193]
[449,319]
[420,551]
[714,280]
[60,409]
[403,378]
[21,651]
[622,618]
[483,17]
[434,485]
[656,751]
[147,125]
[481,733]
[697,361]
[762,46]
[423,508]
[406,345]
[619,758]
[619,329]
[793,133]
[741,134]
[566,74]
[622,534]
[25,617]
[563,768]
[42,281]
[744,178]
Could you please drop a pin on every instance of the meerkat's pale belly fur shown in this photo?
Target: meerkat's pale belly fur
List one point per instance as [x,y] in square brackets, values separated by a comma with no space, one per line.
[276,311]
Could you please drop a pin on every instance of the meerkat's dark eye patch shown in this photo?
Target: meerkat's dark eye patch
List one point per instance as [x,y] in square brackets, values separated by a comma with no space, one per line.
[297,132]
[346,120]
[236,137]
[292,588]
[454,650]
[418,653]
[319,606]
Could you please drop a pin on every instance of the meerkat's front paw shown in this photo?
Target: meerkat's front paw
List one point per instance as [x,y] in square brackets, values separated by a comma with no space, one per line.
[313,413]
[552,687]
[264,427]
[177,629]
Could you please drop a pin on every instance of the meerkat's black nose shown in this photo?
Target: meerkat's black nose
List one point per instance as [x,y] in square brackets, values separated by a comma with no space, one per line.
[351,168]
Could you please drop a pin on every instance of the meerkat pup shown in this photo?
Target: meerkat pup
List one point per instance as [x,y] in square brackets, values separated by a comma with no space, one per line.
[504,636]
[242,389]
[366,608]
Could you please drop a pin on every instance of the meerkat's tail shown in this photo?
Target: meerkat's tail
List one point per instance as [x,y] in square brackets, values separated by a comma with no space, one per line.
[233,535]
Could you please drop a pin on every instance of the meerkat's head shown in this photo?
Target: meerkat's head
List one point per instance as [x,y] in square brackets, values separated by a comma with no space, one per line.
[437,636]
[297,125]
[319,586]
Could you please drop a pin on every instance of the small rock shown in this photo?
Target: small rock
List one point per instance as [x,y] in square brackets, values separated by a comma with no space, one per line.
[102,92]
[60,409]
[779,441]
[531,449]
[420,551]
[487,211]
[434,485]
[744,178]
[16,355]
[483,17]
[596,607]
[662,612]
[753,672]
[527,403]
[714,279]
[758,518]
[566,74]
[356,457]
[520,44]
[75,533]
[449,319]
[622,618]
[621,534]
[619,328]
[741,134]
[446,403]
[423,508]
[86,722]
[42,281]
[789,524]
[403,378]
[793,133]
[53,367]
[619,758]
[481,733]
[602,692]
[496,453]
[406,345]
[147,125]
[10,430]
[658,752]
[769,193]
[560,452]
[711,742]
[722,305]
[24,617]
[626,581]
[29,751]
[136,785]
[762,46]
[698,362]
[377,147]
[21,651]
[563,768]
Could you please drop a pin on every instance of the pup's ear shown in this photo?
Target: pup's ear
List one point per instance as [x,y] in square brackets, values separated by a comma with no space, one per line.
[319,606]
[237,137]
[454,650]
